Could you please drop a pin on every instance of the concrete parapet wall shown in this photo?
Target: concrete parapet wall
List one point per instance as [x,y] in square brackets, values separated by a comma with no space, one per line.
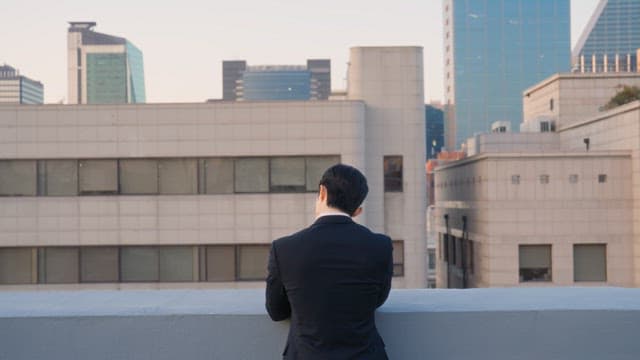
[517,323]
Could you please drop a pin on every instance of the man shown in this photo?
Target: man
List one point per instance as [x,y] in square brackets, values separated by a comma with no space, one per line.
[330,277]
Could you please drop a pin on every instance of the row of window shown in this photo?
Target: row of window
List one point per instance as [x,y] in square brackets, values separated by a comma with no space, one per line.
[544,179]
[458,252]
[171,176]
[515,180]
[589,260]
[162,176]
[114,264]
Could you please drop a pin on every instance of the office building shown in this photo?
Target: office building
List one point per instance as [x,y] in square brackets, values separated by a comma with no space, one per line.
[191,195]
[493,50]
[611,40]
[19,89]
[553,205]
[102,69]
[276,82]
[434,117]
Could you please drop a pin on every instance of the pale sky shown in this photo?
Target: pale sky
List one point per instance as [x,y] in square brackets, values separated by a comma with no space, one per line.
[184,42]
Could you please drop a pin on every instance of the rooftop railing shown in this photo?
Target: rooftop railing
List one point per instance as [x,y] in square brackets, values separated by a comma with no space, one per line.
[516,323]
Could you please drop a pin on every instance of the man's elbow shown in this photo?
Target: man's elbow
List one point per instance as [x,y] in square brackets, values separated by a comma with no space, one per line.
[278,315]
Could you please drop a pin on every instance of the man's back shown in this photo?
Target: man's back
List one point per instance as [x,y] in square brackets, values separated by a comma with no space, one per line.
[330,278]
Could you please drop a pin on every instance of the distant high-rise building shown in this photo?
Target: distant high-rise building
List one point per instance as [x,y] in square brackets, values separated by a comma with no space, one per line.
[103,69]
[276,82]
[18,89]
[231,73]
[611,40]
[493,50]
[434,118]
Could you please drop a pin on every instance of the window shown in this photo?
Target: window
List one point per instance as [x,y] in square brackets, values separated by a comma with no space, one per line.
[573,178]
[98,177]
[315,168]
[18,178]
[139,263]
[60,265]
[393,173]
[445,247]
[252,262]
[398,258]
[452,252]
[551,104]
[515,179]
[544,179]
[252,175]
[471,254]
[589,262]
[218,176]
[535,262]
[60,178]
[99,264]
[602,178]
[221,263]
[178,176]
[176,263]
[432,259]
[287,174]
[138,176]
[16,266]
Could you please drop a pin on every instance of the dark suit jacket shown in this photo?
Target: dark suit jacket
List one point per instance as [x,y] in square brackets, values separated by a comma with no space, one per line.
[330,278]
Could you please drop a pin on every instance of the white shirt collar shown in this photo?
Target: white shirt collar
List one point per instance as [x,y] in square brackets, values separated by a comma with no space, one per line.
[332,213]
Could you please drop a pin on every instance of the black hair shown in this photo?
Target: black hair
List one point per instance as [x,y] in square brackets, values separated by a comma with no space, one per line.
[346,187]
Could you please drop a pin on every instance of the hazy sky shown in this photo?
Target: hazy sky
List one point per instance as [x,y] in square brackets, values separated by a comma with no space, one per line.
[185,42]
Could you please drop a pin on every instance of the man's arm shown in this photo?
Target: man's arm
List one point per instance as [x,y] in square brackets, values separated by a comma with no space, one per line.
[277,301]
[388,274]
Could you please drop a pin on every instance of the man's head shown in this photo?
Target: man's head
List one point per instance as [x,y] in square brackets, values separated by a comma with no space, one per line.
[342,188]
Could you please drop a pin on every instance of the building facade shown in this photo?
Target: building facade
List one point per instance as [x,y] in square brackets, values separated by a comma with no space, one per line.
[19,89]
[434,117]
[493,51]
[102,69]
[550,206]
[611,40]
[276,82]
[191,195]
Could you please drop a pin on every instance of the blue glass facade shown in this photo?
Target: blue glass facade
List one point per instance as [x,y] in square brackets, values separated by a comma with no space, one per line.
[136,74]
[494,50]
[434,118]
[276,85]
[614,29]
[115,78]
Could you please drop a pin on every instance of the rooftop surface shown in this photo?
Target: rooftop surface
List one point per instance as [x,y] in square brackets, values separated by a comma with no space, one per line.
[207,302]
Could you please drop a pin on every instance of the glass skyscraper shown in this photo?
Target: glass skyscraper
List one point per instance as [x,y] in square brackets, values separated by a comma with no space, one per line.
[103,69]
[611,40]
[434,118]
[276,82]
[494,50]
[19,89]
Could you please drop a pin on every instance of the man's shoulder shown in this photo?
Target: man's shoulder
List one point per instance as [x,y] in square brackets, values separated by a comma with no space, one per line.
[378,236]
[290,238]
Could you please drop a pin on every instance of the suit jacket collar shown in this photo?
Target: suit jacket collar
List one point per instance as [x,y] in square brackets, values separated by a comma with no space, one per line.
[333,219]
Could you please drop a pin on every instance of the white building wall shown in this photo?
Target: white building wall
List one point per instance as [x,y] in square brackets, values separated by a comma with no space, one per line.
[577,97]
[614,130]
[559,213]
[170,130]
[390,81]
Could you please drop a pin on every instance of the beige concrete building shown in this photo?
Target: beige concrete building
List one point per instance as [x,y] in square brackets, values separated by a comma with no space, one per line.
[191,195]
[554,205]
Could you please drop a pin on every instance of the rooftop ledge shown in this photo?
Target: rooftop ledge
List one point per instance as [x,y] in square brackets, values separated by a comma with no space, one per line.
[513,323]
